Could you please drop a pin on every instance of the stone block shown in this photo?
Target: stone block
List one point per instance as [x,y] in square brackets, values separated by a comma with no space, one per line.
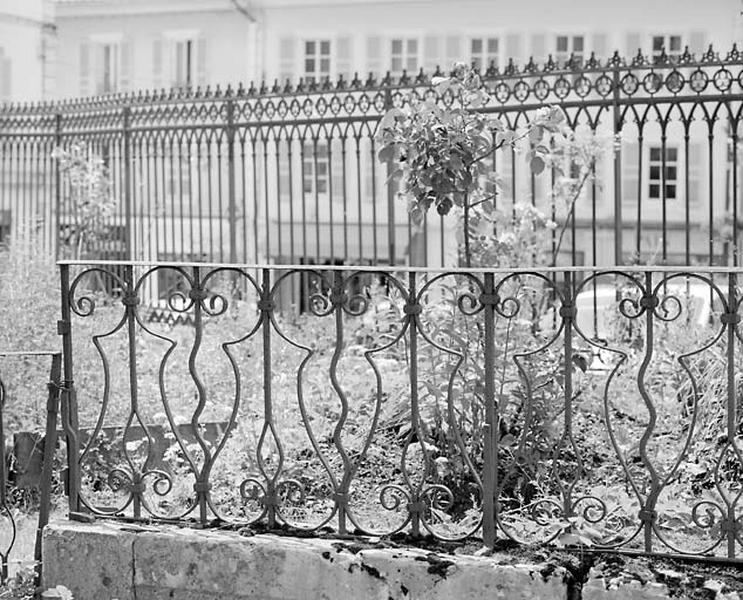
[184,564]
[94,561]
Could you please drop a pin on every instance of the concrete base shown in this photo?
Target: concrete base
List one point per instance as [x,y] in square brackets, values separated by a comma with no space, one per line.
[107,561]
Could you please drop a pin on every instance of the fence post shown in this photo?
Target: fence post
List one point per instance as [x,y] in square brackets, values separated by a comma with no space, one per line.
[390,193]
[617,120]
[69,403]
[50,443]
[126,118]
[490,475]
[232,208]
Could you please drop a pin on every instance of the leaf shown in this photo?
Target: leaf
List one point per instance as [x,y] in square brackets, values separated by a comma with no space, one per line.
[387,153]
[389,118]
[536,164]
[535,134]
[506,137]
[580,361]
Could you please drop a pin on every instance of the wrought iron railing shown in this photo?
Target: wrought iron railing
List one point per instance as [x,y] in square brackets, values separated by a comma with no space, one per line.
[568,406]
[288,174]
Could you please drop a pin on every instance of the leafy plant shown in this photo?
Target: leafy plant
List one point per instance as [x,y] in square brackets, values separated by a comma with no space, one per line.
[91,197]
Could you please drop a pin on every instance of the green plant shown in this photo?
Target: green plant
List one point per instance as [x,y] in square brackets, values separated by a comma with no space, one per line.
[91,197]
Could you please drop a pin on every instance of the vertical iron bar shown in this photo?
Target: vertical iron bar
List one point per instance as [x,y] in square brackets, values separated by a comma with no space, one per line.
[711,214]
[638,241]
[126,117]
[735,193]
[50,443]
[390,192]
[69,403]
[414,408]
[490,475]
[663,196]
[617,123]
[129,303]
[57,186]
[687,201]
[266,309]
[732,417]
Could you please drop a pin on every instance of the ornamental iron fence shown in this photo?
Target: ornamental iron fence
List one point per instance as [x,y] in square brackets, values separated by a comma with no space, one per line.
[289,175]
[561,405]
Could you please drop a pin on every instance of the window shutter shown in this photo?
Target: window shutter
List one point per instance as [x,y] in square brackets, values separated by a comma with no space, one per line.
[5,78]
[125,57]
[201,58]
[630,172]
[634,43]
[431,53]
[454,51]
[344,57]
[697,163]
[84,69]
[697,42]
[287,62]
[374,55]
[513,48]
[538,48]
[599,47]
[157,64]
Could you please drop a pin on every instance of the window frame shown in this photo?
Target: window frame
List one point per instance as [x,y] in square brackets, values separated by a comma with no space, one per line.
[98,44]
[173,40]
[666,44]
[486,56]
[656,182]
[318,75]
[562,56]
[405,55]
[312,180]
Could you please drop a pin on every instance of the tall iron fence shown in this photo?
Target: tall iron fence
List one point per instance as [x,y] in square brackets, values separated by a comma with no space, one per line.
[583,407]
[285,174]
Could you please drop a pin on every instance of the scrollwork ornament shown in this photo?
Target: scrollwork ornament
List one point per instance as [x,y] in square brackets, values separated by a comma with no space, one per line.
[84,306]
[320,305]
[162,483]
[439,497]
[702,514]
[631,308]
[252,489]
[292,491]
[469,304]
[669,309]
[216,306]
[392,497]
[590,508]
[356,305]
[118,479]
[179,302]
[508,307]
[545,512]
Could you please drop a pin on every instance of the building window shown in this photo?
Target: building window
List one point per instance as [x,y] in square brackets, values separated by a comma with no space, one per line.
[670,43]
[315,168]
[316,60]
[107,76]
[404,56]
[655,178]
[183,63]
[567,45]
[484,52]
[5,75]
